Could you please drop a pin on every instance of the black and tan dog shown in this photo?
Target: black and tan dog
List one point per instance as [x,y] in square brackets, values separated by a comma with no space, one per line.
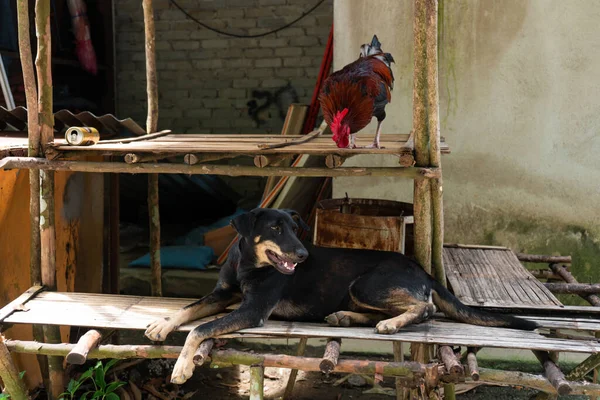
[344,287]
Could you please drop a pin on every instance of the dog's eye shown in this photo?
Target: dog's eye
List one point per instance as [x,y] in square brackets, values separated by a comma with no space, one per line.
[276,228]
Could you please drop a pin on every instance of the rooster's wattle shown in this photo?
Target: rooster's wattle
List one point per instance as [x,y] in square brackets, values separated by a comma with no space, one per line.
[352,96]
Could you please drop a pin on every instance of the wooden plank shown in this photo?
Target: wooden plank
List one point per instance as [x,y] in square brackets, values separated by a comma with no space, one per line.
[135,312]
[19,303]
[493,277]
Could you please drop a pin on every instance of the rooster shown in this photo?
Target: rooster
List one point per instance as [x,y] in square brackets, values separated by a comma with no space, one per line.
[351,97]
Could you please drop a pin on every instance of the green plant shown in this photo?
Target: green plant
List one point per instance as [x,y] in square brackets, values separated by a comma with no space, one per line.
[102,389]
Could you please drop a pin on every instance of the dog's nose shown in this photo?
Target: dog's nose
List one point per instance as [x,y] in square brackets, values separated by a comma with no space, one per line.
[302,254]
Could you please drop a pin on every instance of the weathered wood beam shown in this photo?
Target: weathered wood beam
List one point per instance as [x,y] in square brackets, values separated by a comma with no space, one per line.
[289,388]
[553,373]
[408,370]
[401,392]
[334,160]
[533,258]
[230,170]
[433,128]
[422,189]
[46,217]
[573,288]
[9,374]
[132,158]
[538,382]
[453,365]
[567,277]
[33,134]
[545,274]
[331,356]
[472,363]
[78,355]
[151,127]
[263,160]
[203,351]
[154,222]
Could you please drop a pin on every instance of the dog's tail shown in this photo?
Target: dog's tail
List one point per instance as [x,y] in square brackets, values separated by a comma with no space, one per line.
[453,308]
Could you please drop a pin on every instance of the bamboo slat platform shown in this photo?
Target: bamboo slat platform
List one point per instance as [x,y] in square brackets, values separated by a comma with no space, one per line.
[494,277]
[135,312]
[240,144]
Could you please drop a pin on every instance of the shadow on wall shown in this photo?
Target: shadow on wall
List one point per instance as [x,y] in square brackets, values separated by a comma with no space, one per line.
[266,105]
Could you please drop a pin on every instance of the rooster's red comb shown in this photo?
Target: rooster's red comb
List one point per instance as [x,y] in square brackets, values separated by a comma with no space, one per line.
[337,120]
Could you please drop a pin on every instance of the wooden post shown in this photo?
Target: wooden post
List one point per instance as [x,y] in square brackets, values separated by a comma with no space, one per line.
[43,64]
[257,379]
[151,127]
[433,102]
[78,355]
[9,374]
[331,356]
[401,392]
[472,363]
[294,373]
[33,134]
[553,373]
[203,351]
[422,193]
[567,277]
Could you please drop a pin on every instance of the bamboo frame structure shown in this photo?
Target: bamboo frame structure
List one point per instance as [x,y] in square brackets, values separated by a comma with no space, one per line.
[428,207]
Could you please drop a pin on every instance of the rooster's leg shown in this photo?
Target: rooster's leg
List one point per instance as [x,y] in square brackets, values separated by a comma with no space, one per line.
[376,144]
[410,143]
[351,144]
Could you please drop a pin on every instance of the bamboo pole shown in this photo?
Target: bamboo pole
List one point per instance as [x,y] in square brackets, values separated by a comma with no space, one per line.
[257,380]
[422,190]
[433,124]
[409,370]
[401,392]
[47,228]
[151,127]
[289,389]
[9,374]
[229,170]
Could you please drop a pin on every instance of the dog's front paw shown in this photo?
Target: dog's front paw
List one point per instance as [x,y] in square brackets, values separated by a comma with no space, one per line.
[183,370]
[386,327]
[159,330]
[338,319]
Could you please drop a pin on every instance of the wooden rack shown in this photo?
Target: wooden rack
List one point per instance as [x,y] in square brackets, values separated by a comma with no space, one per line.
[423,166]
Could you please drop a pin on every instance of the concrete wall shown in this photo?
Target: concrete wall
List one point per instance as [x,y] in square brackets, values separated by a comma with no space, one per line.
[520,109]
[205,79]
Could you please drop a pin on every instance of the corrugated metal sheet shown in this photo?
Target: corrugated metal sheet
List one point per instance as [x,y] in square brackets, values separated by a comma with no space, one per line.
[108,125]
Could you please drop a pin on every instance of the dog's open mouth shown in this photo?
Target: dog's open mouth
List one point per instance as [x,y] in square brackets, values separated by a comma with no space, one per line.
[284,265]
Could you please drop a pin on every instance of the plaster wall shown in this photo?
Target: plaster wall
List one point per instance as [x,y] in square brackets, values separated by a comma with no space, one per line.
[520,109]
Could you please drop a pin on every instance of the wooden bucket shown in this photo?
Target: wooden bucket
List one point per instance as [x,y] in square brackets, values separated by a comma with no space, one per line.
[365,224]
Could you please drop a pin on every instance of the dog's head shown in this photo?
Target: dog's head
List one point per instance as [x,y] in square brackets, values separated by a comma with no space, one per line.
[271,234]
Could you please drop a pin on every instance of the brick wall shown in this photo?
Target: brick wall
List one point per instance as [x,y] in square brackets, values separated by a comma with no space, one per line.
[206,80]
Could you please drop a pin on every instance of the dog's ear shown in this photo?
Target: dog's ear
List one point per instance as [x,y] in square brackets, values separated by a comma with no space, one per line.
[298,219]
[244,223]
